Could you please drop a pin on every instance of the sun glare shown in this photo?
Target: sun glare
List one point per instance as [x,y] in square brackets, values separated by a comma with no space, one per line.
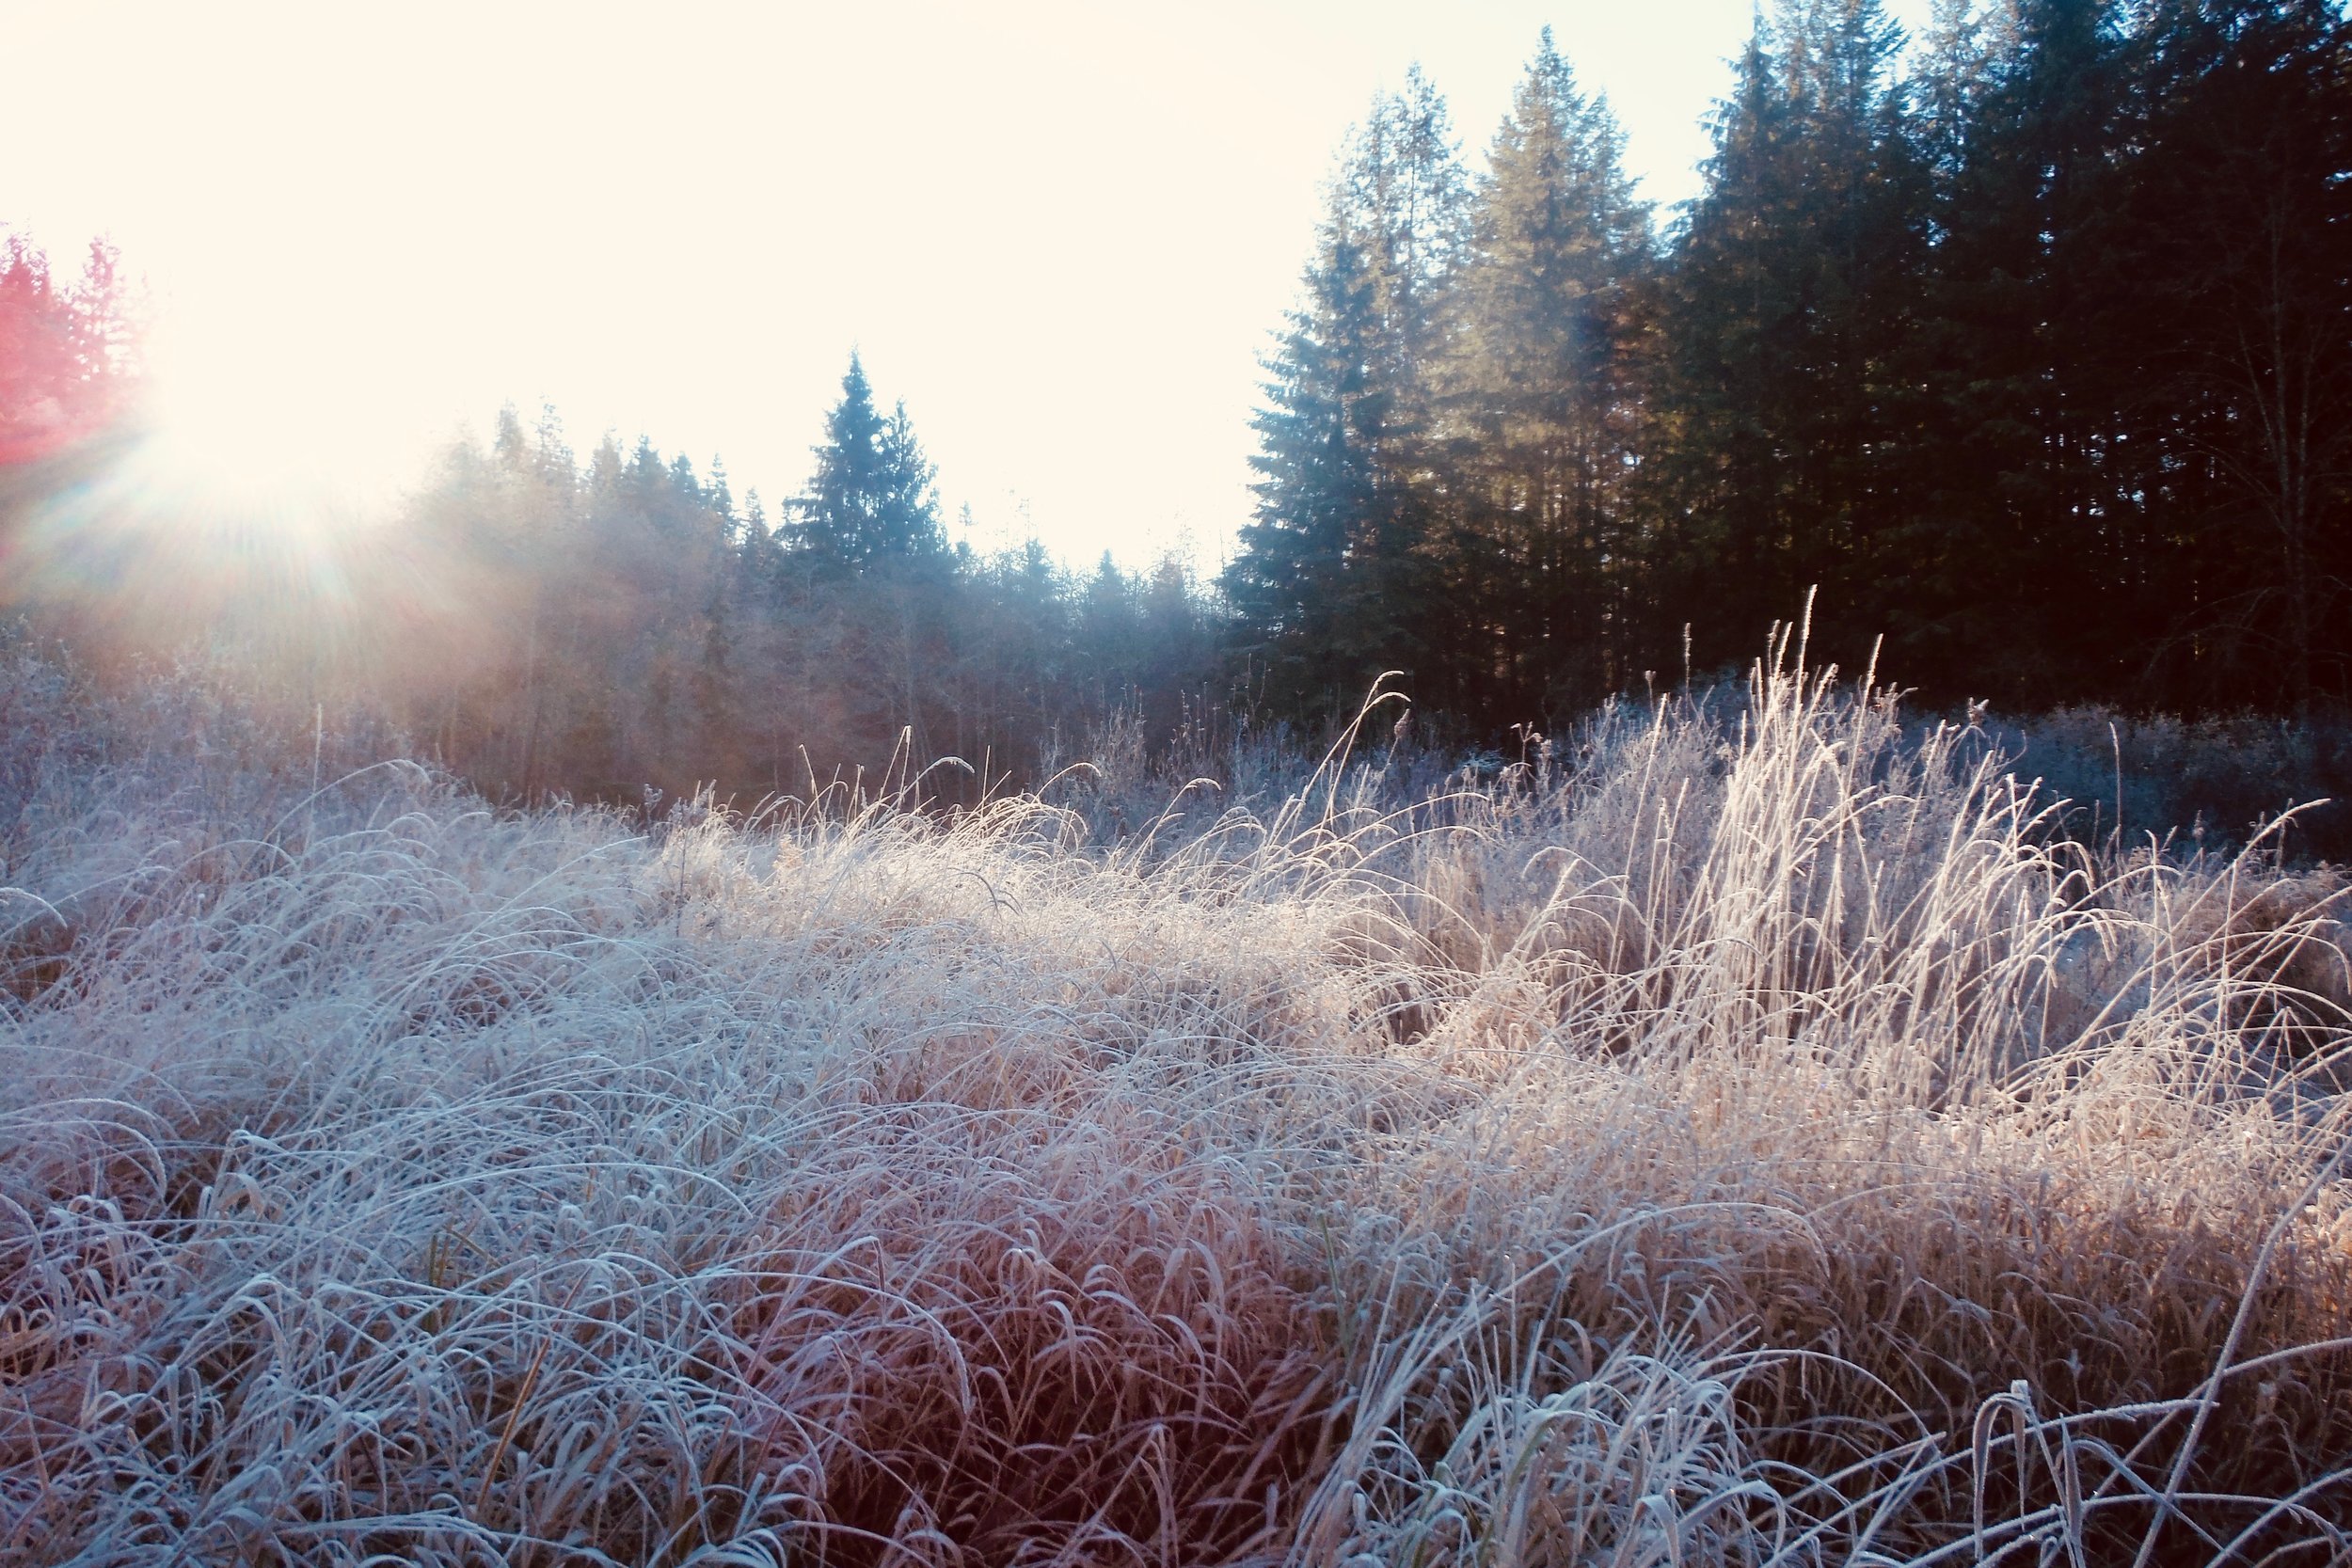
[253,497]
[248,422]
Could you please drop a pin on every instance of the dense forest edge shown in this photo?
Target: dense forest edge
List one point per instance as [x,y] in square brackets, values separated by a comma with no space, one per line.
[2021,352]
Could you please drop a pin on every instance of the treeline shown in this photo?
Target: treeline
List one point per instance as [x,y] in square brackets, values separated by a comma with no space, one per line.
[2027,344]
[628,622]
[2030,346]
[2025,347]
[619,626]
[63,346]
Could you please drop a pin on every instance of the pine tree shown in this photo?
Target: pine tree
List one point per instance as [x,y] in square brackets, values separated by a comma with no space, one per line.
[2234,229]
[870,503]
[1543,388]
[1309,617]
[1332,582]
[1783,399]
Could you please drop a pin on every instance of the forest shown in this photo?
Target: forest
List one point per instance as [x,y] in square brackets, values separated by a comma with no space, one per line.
[2022,352]
[2026,348]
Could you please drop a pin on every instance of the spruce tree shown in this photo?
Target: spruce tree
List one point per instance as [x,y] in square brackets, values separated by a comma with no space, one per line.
[906,518]
[2013,480]
[1333,581]
[1406,197]
[870,503]
[2235,231]
[1543,388]
[1783,403]
[1311,618]
[66,354]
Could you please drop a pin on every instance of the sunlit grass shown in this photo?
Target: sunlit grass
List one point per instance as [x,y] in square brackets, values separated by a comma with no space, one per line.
[1748,1138]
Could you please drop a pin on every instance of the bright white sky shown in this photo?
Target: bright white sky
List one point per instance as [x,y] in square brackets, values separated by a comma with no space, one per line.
[1062,233]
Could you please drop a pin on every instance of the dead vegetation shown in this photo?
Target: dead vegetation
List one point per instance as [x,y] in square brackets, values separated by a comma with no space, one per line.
[1750,1138]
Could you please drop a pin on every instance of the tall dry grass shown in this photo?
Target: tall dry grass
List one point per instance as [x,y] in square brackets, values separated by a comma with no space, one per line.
[1740,1134]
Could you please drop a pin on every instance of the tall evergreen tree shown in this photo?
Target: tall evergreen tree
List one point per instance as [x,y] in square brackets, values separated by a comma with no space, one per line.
[66,354]
[908,528]
[870,503]
[1714,479]
[1306,610]
[1786,321]
[2023,539]
[2236,231]
[1406,198]
[1331,583]
[1543,394]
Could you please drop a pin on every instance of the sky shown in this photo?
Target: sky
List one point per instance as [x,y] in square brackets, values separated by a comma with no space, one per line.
[1064,233]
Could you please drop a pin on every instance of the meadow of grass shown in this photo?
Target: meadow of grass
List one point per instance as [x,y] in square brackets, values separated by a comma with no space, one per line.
[1741,1133]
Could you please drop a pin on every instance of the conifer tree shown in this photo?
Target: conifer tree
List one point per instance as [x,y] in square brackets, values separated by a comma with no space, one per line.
[1332,584]
[66,353]
[1405,199]
[1713,480]
[870,503]
[1543,391]
[907,529]
[2012,479]
[2236,231]
[1310,617]
[1785,321]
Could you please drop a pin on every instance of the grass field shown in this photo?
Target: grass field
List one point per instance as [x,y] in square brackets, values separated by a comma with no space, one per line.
[1746,1136]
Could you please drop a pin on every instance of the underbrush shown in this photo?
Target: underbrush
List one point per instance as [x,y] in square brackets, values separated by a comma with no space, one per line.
[1746,1135]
